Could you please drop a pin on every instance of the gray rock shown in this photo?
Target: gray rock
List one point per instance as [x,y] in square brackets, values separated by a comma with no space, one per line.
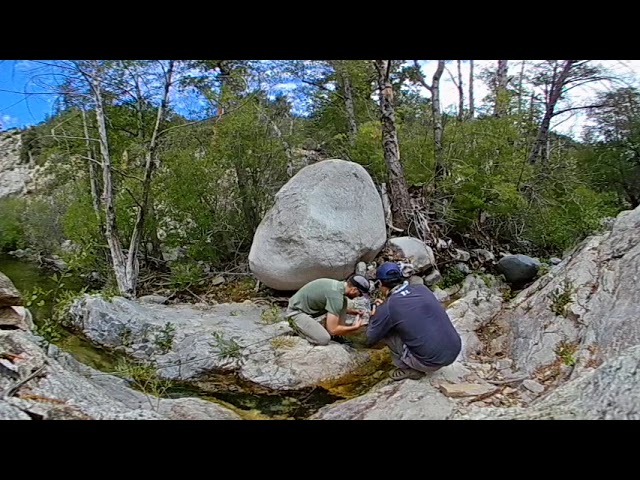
[325,219]
[518,268]
[415,251]
[593,290]
[483,256]
[361,269]
[555,260]
[463,267]
[9,294]
[533,386]
[440,294]
[159,299]
[461,255]
[403,400]
[415,280]
[267,353]
[610,392]
[432,278]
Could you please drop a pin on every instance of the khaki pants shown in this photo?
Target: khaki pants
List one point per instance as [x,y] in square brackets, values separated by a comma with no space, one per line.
[310,328]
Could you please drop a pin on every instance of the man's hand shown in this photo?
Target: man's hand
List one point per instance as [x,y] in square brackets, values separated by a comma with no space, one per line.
[378,301]
[359,322]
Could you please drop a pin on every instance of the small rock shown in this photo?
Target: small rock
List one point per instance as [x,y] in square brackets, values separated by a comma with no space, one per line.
[533,386]
[159,299]
[247,302]
[361,269]
[442,244]
[463,267]
[462,255]
[440,294]
[504,364]
[484,256]
[434,277]
[510,390]
[555,260]
[458,390]
[219,280]
[415,280]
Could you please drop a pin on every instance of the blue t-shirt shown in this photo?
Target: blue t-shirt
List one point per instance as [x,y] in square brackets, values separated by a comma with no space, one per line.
[414,314]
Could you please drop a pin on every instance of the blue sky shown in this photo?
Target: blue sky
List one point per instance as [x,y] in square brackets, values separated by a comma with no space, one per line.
[24,103]
[21,101]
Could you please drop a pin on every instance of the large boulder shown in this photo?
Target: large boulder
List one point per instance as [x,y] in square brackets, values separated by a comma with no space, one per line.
[325,219]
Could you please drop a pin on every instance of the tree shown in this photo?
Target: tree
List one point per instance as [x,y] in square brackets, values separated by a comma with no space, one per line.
[400,199]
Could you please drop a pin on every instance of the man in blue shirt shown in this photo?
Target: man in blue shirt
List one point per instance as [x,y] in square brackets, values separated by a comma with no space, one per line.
[413,324]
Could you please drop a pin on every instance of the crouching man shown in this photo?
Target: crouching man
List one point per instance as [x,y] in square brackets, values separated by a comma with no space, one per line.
[413,324]
[317,311]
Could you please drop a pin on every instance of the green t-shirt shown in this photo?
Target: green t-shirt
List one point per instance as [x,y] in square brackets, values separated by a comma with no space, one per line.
[320,296]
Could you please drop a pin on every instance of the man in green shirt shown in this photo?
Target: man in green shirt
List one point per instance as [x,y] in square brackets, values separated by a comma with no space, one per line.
[307,308]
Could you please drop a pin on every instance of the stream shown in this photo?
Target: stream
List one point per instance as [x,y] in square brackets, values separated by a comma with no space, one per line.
[229,390]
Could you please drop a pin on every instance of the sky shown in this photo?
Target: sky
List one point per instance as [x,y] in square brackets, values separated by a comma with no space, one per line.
[24,103]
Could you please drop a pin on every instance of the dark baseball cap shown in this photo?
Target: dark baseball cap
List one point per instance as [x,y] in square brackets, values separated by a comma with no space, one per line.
[388,271]
[360,283]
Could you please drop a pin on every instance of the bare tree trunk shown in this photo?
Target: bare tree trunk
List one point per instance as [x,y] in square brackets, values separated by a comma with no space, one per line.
[401,201]
[472,108]
[150,164]
[437,122]
[502,101]
[111,230]
[520,91]
[345,81]
[460,93]
[554,96]
[93,172]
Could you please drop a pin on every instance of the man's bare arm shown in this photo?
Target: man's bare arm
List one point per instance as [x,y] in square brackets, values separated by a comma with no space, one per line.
[334,327]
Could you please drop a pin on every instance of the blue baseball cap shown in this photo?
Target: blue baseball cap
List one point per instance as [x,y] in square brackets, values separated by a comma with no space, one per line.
[388,271]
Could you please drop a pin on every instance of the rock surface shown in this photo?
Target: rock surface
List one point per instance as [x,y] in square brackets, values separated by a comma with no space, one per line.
[267,353]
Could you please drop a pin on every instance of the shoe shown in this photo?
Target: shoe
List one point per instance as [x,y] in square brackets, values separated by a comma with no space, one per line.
[402,373]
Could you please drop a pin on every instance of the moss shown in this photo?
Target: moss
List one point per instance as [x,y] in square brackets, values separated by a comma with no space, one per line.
[361,379]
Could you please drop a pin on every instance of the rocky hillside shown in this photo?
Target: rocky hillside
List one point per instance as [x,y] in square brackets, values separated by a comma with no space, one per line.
[14,175]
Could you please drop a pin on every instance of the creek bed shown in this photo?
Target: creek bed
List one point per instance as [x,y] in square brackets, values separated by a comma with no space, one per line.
[249,400]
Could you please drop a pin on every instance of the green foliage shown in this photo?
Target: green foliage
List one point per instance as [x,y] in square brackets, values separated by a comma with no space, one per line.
[57,301]
[227,348]
[560,299]
[566,351]
[184,275]
[143,375]
[12,234]
[164,339]
[451,276]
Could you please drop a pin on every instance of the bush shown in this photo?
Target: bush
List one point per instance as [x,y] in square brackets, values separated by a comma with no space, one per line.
[12,235]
